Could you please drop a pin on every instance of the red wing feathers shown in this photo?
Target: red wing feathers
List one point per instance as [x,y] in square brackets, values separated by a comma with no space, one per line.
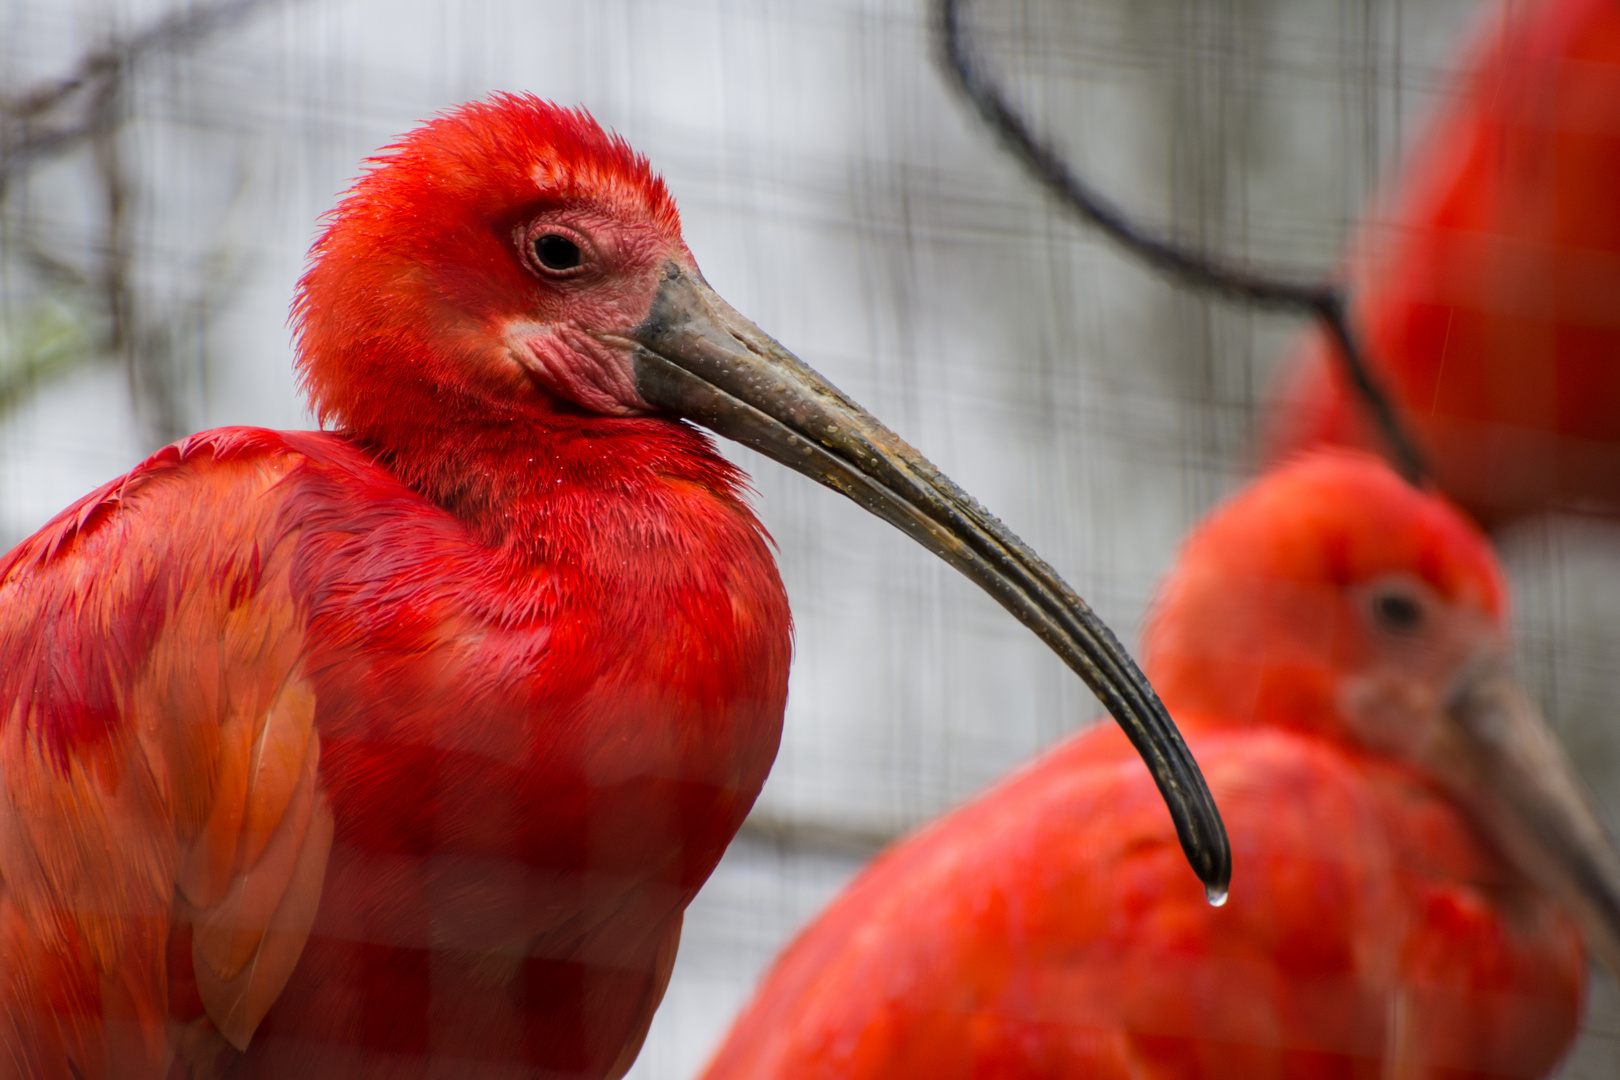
[159,758]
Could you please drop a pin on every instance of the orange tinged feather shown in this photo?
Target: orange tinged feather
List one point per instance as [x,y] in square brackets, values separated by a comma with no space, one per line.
[238,992]
[227,934]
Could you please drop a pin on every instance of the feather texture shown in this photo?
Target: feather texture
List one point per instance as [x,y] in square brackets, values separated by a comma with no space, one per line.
[260,653]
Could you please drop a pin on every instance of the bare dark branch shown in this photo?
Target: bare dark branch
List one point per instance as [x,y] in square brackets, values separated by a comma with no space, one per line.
[48,266]
[793,835]
[88,108]
[30,130]
[1320,299]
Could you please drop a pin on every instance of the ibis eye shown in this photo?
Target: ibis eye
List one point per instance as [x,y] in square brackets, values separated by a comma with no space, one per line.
[1397,613]
[556,252]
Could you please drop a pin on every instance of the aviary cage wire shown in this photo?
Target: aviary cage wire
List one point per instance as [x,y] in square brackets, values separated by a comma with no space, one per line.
[155,216]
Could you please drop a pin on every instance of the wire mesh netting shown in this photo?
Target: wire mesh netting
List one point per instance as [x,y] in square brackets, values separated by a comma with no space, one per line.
[834,189]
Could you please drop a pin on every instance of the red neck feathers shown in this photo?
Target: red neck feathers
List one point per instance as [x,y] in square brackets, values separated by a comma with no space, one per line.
[404,316]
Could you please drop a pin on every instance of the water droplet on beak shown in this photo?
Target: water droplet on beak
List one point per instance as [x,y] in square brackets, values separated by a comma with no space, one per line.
[1215,895]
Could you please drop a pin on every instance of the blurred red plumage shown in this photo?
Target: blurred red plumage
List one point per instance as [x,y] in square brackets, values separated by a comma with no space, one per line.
[1487,299]
[1332,641]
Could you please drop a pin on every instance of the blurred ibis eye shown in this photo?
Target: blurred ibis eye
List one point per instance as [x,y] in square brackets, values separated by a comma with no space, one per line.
[556,252]
[1397,613]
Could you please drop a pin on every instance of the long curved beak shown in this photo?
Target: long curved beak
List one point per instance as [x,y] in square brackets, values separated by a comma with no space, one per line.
[1504,763]
[698,358]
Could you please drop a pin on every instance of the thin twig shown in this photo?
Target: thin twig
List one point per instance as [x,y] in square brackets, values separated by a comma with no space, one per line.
[27,136]
[1319,299]
[842,840]
[89,107]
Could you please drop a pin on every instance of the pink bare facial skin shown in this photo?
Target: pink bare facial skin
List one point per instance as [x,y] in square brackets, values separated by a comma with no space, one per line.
[609,292]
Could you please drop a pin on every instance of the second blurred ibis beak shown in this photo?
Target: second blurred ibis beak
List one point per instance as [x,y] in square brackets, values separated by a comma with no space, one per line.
[1502,761]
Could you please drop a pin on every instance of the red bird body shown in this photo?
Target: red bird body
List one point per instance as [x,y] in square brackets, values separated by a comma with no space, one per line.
[398,751]
[1487,299]
[547,792]
[1045,930]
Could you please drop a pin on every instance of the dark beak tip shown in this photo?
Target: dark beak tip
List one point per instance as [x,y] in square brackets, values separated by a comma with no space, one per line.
[1208,854]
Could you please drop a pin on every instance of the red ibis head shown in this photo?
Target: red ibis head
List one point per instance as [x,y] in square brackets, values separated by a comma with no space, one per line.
[511,261]
[1337,598]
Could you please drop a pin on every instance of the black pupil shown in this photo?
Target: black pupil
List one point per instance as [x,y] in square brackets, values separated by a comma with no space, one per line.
[556,252]
[1398,612]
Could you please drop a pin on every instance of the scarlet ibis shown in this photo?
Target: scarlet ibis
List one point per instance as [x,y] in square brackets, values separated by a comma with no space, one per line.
[1414,854]
[398,749]
[1488,298]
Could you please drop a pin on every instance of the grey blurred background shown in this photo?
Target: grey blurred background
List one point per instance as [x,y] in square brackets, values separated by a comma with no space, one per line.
[154,216]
